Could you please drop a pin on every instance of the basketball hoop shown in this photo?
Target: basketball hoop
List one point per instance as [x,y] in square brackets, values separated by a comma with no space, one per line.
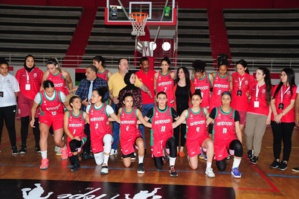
[138,22]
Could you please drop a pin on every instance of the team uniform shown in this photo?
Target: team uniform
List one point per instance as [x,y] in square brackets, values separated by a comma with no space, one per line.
[204,85]
[241,86]
[224,132]
[220,85]
[165,83]
[103,75]
[196,131]
[59,82]
[128,131]
[76,127]
[51,112]
[99,126]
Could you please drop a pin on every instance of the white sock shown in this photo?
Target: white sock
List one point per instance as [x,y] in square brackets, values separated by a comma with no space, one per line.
[140,159]
[98,157]
[106,158]
[44,154]
[209,164]
[236,162]
[171,161]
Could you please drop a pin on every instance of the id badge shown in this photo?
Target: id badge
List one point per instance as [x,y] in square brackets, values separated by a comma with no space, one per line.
[224,130]
[27,87]
[1,94]
[280,106]
[239,93]
[256,104]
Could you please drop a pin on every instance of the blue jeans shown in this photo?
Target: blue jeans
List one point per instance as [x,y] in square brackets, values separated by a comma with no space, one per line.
[115,129]
[145,109]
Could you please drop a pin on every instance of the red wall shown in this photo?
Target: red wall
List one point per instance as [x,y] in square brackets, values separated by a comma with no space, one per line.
[181,3]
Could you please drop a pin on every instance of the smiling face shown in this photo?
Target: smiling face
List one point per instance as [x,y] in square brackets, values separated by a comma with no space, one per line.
[241,69]
[144,66]
[52,68]
[29,62]
[128,102]
[222,70]
[76,104]
[164,66]
[284,77]
[196,100]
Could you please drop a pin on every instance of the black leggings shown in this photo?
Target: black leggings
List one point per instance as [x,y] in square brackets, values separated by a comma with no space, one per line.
[235,145]
[75,144]
[87,145]
[24,131]
[181,128]
[8,115]
[170,144]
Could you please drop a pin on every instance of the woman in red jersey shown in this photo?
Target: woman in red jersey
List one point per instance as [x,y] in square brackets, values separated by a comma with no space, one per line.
[61,78]
[51,103]
[74,122]
[130,136]
[283,117]
[197,134]
[226,134]
[164,81]
[221,81]
[30,80]
[241,81]
[100,131]
[99,63]
[258,115]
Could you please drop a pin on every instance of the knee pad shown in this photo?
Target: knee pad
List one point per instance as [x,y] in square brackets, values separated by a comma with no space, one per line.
[99,158]
[108,139]
[221,165]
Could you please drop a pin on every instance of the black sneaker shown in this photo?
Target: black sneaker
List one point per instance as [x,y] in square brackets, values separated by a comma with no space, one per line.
[283,165]
[75,168]
[23,150]
[172,171]
[274,164]
[14,150]
[140,168]
[37,149]
[296,169]
[250,154]
[254,159]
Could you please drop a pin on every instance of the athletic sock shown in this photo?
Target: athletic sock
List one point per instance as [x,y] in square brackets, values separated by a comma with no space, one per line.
[44,154]
[140,159]
[236,162]
[106,158]
[171,161]
[209,164]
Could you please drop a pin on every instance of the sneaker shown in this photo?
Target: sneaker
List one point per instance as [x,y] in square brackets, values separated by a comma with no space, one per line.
[133,156]
[37,149]
[209,172]
[104,170]
[14,150]
[295,169]
[254,159]
[58,151]
[113,152]
[274,164]
[140,168]
[75,168]
[64,154]
[250,154]
[23,150]
[235,172]
[172,171]
[44,165]
[283,165]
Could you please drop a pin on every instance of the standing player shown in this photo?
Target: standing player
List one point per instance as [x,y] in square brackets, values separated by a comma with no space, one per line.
[74,122]
[52,104]
[162,117]
[164,81]
[99,63]
[30,80]
[240,90]
[197,134]
[226,134]
[130,136]
[100,131]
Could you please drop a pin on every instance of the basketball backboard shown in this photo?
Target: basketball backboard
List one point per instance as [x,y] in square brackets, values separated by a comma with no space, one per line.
[160,12]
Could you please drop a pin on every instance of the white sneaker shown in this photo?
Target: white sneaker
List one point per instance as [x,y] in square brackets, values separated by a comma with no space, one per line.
[210,173]
[104,169]
[113,152]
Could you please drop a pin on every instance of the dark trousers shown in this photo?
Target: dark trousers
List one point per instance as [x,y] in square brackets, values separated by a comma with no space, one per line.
[8,115]
[24,131]
[282,132]
[86,147]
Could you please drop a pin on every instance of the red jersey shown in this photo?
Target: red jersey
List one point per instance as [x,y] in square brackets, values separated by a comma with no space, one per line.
[51,108]
[128,124]
[258,102]
[76,124]
[196,124]
[220,85]
[59,82]
[99,120]
[224,126]
[161,125]
[165,83]
[30,82]
[204,85]
[241,86]
[148,80]
[103,75]
[285,97]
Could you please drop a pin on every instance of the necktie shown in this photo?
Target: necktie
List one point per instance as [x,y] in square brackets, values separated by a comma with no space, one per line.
[90,90]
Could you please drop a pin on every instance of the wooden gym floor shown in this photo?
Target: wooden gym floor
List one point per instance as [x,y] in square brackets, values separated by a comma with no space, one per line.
[258,181]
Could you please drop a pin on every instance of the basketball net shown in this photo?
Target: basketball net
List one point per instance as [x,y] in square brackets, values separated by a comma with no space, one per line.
[138,23]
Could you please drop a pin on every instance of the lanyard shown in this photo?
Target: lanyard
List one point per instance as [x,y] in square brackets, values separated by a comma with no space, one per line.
[240,82]
[257,91]
[27,77]
[283,93]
